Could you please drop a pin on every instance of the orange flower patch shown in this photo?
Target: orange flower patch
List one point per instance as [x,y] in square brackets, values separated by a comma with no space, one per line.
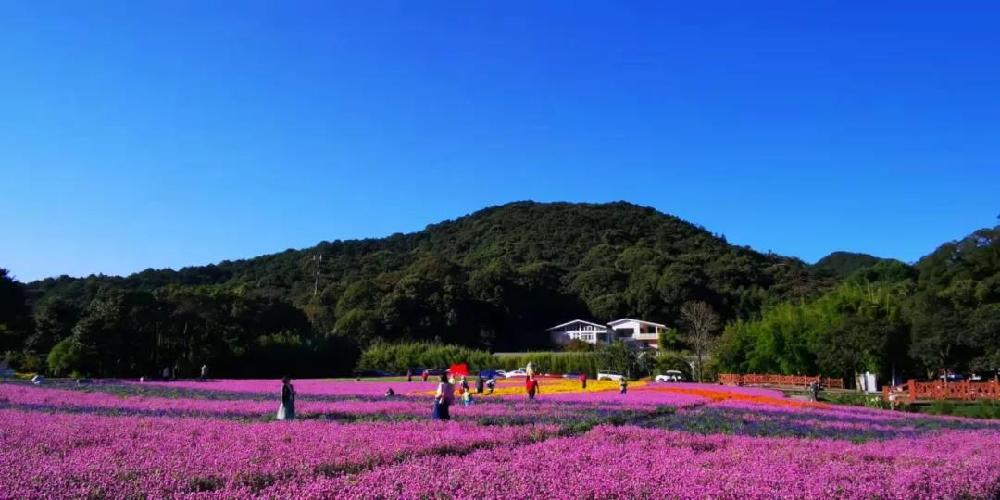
[719,396]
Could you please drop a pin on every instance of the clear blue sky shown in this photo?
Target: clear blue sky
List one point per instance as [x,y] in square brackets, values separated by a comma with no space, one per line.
[164,134]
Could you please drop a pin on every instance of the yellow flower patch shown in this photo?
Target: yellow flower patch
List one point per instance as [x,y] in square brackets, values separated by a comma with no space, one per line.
[550,386]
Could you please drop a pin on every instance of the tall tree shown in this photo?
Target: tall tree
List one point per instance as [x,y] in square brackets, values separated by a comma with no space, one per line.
[701,323]
[15,318]
[54,321]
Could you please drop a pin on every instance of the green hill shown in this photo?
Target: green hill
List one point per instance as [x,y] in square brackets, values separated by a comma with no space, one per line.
[493,279]
[844,264]
[600,258]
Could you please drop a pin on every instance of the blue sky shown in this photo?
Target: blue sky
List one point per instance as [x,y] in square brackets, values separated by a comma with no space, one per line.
[165,134]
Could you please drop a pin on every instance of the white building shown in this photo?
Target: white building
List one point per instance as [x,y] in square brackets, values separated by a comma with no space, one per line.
[645,333]
[578,329]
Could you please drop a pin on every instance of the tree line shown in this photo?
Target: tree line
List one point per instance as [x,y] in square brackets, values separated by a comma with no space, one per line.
[401,358]
[129,333]
[943,314]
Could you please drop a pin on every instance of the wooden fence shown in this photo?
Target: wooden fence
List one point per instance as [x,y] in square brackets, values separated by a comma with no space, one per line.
[913,391]
[758,379]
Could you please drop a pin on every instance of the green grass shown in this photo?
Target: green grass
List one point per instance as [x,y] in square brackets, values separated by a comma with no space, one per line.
[979,409]
[853,399]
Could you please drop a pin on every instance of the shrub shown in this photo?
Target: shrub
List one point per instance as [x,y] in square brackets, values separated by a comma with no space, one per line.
[942,408]
[70,356]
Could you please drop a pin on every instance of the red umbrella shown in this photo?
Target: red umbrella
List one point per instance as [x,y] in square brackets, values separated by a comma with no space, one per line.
[459,369]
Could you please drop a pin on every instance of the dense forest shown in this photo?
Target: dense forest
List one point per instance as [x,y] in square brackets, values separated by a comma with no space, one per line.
[494,280]
[888,318]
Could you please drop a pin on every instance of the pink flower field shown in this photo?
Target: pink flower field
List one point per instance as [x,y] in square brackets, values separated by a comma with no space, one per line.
[311,387]
[219,439]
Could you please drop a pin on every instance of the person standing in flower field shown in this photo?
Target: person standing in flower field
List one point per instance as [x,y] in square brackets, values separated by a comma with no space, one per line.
[443,398]
[287,409]
[531,386]
[583,380]
[204,371]
[490,385]
[479,384]
[623,385]
[460,388]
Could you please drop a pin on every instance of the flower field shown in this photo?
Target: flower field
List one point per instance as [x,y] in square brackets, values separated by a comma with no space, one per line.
[219,439]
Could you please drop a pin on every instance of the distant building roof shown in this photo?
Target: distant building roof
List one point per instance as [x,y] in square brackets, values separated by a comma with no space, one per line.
[624,320]
[578,321]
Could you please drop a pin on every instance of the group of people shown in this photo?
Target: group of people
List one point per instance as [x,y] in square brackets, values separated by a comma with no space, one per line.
[171,374]
[482,383]
[444,396]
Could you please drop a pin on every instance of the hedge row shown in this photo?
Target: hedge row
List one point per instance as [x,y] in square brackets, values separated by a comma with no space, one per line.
[553,362]
[398,358]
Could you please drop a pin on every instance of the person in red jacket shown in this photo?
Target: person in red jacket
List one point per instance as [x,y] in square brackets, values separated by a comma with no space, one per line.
[531,386]
[583,380]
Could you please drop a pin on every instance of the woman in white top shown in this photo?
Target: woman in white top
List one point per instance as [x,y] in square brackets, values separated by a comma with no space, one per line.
[287,409]
[443,399]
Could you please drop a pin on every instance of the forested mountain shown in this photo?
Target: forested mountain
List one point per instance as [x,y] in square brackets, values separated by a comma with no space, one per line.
[843,264]
[493,279]
[496,279]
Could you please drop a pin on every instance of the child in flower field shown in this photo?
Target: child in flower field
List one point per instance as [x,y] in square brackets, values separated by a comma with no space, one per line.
[531,386]
[462,389]
[287,409]
[466,392]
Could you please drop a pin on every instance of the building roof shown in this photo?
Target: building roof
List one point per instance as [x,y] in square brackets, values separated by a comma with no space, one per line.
[578,321]
[624,320]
